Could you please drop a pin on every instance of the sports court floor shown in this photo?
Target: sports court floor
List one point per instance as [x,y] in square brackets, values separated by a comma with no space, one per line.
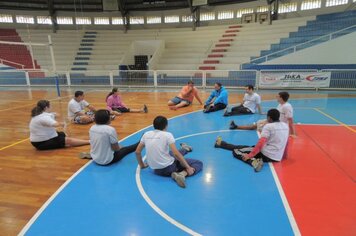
[312,192]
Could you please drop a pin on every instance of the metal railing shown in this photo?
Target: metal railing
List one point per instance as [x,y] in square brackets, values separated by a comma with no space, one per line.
[298,47]
[11,63]
[339,79]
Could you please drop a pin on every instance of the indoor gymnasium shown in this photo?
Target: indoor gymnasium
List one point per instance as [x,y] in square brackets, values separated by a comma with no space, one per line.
[178,117]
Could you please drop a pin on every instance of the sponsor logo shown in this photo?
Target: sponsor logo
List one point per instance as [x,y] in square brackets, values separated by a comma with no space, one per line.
[316,78]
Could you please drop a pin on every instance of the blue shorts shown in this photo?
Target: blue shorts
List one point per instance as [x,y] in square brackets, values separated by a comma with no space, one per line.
[177,100]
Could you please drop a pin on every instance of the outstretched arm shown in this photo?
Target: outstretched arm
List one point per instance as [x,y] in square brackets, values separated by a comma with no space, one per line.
[139,156]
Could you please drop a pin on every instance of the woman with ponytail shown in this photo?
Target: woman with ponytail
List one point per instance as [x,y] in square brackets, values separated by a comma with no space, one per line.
[114,103]
[43,134]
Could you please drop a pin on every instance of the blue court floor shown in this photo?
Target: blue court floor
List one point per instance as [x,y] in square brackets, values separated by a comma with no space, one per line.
[226,198]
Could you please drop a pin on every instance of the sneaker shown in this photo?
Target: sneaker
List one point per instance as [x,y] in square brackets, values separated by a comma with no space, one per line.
[186,147]
[84,155]
[218,142]
[112,117]
[227,113]
[257,164]
[180,179]
[145,108]
[233,125]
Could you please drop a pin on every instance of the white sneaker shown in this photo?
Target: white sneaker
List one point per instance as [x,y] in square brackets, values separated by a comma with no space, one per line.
[84,155]
[180,179]
[257,164]
[186,147]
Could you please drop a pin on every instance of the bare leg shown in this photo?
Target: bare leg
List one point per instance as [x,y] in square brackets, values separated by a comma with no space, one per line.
[86,119]
[179,105]
[136,110]
[115,113]
[247,127]
[170,103]
[74,142]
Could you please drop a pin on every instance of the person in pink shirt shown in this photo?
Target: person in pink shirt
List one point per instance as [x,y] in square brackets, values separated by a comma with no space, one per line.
[185,97]
[114,103]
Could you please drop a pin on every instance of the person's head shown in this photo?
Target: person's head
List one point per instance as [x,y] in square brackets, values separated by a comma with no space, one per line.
[217,86]
[79,95]
[249,89]
[273,115]
[190,83]
[160,123]
[114,91]
[42,105]
[282,97]
[102,117]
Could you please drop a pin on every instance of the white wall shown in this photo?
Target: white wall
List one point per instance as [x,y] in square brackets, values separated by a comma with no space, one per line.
[337,51]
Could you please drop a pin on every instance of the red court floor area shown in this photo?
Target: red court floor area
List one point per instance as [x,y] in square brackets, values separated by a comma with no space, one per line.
[318,178]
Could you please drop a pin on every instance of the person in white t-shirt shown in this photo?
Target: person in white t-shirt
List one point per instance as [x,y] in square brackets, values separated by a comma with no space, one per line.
[250,103]
[77,107]
[43,133]
[286,116]
[271,147]
[105,149]
[158,142]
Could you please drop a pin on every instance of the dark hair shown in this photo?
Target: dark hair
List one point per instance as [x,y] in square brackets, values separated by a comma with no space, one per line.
[102,116]
[273,114]
[284,96]
[114,90]
[160,122]
[39,108]
[249,86]
[78,93]
[190,82]
[218,83]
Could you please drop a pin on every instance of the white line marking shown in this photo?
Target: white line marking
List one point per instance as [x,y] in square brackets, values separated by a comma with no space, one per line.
[44,206]
[289,212]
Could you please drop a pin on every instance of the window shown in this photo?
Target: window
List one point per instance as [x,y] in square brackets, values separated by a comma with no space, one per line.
[44,20]
[310,4]
[287,7]
[225,15]
[4,18]
[330,3]
[187,18]
[117,21]
[101,21]
[25,19]
[154,19]
[207,16]
[83,21]
[171,19]
[64,20]
[243,11]
[136,20]
[262,9]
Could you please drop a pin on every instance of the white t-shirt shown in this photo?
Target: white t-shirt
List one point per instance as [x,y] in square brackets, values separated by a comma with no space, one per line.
[251,101]
[101,138]
[41,127]
[74,107]
[157,148]
[277,134]
[286,111]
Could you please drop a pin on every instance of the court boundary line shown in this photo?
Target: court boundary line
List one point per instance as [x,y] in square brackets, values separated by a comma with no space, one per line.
[334,119]
[59,190]
[284,199]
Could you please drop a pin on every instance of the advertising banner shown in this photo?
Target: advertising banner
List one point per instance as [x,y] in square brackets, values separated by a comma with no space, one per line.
[301,79]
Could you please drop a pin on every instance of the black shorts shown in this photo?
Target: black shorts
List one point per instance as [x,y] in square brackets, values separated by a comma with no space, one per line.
[53,143]
[121,109]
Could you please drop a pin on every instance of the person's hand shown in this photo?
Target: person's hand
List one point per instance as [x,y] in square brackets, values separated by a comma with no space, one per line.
[144,166]
[245,157]
[293,136]
[190,170]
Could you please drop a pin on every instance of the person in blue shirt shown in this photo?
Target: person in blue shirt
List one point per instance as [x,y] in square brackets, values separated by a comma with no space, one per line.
[217,100]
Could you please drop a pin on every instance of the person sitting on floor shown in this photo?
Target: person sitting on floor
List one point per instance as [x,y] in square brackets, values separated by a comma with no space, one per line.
[165,163]
[105,149]
[43,133]
[185,97]
[271,147]
[286,115]
[217,100]
[115,104]
[250,103]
